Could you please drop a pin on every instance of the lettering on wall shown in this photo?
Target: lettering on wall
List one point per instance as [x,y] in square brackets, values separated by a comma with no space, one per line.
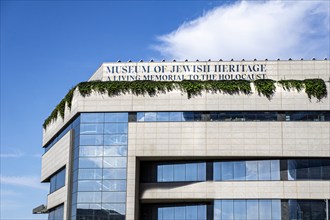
[179,72]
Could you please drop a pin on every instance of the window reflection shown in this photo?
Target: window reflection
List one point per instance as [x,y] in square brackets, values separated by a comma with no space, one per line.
[181,172]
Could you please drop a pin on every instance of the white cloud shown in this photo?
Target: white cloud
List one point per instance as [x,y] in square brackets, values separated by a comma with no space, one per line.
[253,29]
[14,154]
[24,181]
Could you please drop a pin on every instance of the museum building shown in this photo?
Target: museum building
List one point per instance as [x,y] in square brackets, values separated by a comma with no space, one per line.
[202,140]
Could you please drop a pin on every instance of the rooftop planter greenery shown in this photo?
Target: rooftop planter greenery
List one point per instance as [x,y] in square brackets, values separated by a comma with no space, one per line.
[266,87]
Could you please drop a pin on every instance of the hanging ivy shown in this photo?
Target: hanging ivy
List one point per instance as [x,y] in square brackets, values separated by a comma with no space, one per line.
[292,84]
[265,87]
[313,87]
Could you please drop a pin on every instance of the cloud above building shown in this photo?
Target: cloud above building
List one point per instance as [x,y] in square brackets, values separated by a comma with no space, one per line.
[253,29]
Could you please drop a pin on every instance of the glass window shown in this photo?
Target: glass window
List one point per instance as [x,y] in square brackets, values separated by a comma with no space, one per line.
[217,209]
[239,209]
[90,174]
[201,212]
[275,169]
[265,209]
[91,139]
[160,173]
[115,150]
[227,209]
[315,169]
[91,117]
[115,208]
[227,171]
[116,117]
[89,185]
[252,209]
[251,170]
[150,116]
[188,116]
[116,139]
[168,213]
[175,116]
[90,162]
[239,170]
[264,170]
[326,170]
[114,185]
[85,151]
[217,170]
[89,197]
[179,172]
[91,128]
[179,212]
[201,171]
[140,116]
[113,197]
[276,210]
[114,162]
[60,179]
[114,174]
[191,212]
[115,128]
[191,172]
[167,173]
[163,116]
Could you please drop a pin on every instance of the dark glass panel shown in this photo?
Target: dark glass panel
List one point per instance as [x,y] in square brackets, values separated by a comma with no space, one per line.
[315,169]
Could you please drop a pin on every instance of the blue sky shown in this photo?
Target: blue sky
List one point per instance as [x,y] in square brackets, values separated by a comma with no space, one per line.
[47,47]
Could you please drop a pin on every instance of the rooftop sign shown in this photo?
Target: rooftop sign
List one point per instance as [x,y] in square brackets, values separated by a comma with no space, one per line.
[178,71]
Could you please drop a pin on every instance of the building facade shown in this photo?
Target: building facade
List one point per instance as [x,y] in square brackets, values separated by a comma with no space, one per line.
[192,150]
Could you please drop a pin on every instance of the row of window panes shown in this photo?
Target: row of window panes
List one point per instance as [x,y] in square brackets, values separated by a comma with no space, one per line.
[189,212]
[111,208]
[102,162]
[247,170]
[115,139]
[253,209]
[103,117]
[297,169]
[98,197]
[308,169]
[247,209]
[231,116]
[181,172]
[93,151]
[97,174]
[56,213]
[102,185]
[57,181]
[111,128]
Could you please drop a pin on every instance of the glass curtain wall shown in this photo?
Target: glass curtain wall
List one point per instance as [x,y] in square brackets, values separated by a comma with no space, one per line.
[99,167]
